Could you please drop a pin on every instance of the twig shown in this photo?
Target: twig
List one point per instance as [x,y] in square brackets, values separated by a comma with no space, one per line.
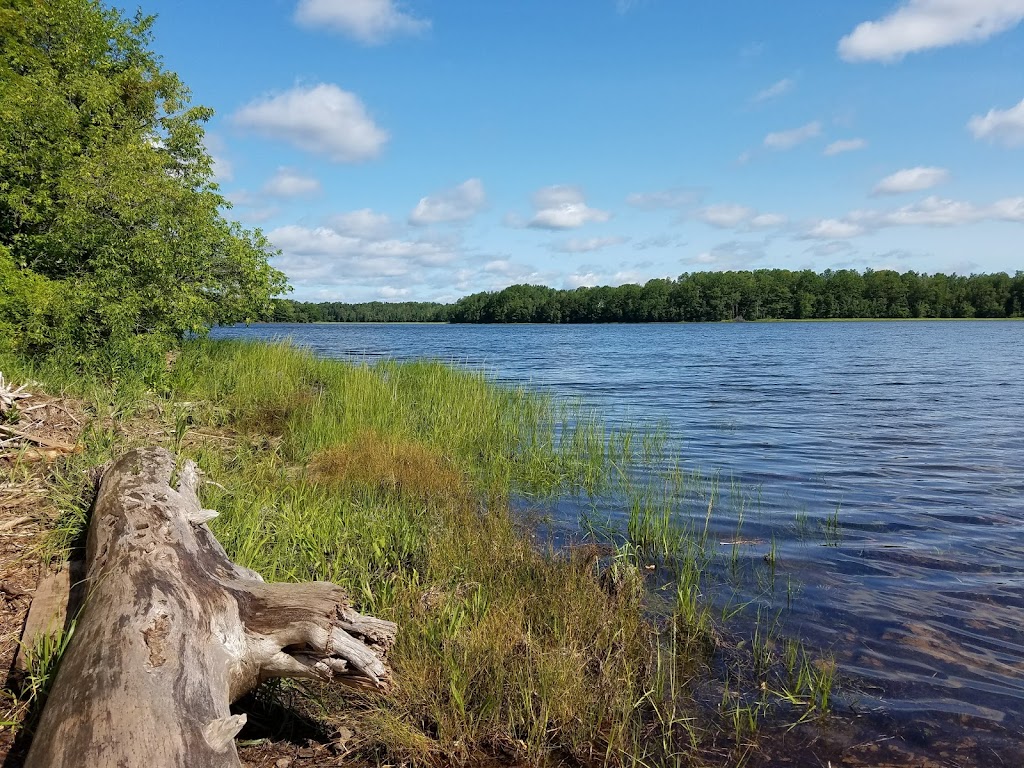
[9,524]
[38,439]
[13,591]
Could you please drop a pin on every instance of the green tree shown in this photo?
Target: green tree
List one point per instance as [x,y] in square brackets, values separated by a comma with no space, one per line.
[106,189]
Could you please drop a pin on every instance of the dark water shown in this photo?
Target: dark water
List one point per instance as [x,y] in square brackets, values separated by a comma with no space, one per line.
[913,431]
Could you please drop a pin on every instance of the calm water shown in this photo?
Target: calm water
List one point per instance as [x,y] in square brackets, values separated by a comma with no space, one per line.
[913,431]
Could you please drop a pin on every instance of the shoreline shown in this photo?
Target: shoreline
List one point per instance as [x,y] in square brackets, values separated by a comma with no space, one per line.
[305,484]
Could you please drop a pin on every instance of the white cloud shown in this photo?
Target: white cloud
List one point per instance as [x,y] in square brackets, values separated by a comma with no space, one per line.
[734,254]
[845,145]
[1004,126]
[767,221]
[931,212]
[363,223]
[911,180]
[391,292]
[589,244]
[289,182]
[592,277]
[326,241]
[725,215]
[316,258]
[563,207]
[369,21]
[918,25]
[734,216]
[457,204]
[773,91]
[834,229]
[320,118]
[1009,209]
[789,139]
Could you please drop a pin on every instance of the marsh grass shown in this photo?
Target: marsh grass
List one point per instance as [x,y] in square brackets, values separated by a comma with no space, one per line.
[395,481]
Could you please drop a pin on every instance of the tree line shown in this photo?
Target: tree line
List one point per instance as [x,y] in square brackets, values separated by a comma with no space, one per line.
[764,294]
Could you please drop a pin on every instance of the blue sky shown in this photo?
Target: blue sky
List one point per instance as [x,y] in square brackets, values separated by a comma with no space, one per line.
[426,149]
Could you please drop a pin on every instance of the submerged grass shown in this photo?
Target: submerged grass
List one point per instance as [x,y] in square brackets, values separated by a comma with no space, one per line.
[394,480]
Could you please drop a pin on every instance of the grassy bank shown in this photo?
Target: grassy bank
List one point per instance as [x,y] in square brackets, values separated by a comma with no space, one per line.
[395,481]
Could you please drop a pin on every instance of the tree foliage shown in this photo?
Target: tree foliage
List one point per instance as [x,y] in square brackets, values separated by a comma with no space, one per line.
[288,311]
[764,294]
[111,226]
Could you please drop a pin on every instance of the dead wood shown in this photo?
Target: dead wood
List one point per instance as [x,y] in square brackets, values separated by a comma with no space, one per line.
[172,632]
[45,442]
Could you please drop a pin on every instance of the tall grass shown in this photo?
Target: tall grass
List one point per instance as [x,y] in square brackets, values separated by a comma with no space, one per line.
[394,481]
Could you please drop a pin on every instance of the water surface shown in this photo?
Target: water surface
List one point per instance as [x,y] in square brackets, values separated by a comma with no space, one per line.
[911,434]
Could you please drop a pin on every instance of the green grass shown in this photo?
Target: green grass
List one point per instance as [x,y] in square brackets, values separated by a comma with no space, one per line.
[394,481]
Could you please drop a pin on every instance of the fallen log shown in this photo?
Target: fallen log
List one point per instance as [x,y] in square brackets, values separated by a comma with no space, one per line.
[172,632]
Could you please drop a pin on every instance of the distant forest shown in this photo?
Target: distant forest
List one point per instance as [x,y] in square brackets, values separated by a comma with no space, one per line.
[764,294]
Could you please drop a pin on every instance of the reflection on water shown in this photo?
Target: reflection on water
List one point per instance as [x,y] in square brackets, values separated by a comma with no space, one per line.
[913,431]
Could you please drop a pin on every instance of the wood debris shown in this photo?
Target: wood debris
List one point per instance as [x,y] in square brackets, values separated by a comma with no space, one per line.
[9,394]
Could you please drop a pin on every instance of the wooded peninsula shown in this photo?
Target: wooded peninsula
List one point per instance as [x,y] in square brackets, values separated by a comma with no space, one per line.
[764,294]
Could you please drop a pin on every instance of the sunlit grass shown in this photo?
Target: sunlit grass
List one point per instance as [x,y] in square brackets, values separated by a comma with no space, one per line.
[394,481]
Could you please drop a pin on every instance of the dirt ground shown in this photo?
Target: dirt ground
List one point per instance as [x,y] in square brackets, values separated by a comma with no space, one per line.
[44,430]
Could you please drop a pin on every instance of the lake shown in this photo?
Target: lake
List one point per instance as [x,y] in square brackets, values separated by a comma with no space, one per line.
[909,435]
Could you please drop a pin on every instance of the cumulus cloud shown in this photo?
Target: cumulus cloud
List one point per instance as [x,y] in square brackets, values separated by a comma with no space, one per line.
[369,21]
[1002,126]
[563,207]
[845,145]
[289,182]
[931,212]
[774,91]
[589,277]
[911,180]
[834,229]
[457,204]
[364,223]
[319,118]
[767,221]
[357,260]
[725,215]
[734,216]
[588,244]
[789,139]
[918,25]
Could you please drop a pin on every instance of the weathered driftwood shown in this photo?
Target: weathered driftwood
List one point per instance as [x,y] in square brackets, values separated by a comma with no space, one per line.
[9,393]
[172,632]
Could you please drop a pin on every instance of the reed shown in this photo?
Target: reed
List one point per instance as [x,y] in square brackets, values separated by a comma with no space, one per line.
[394,480]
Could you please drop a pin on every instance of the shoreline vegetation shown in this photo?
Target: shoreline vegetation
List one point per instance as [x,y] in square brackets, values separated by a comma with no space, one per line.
[759,295]
[396,481]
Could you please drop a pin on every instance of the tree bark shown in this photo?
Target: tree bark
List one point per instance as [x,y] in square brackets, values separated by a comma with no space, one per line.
[172,632]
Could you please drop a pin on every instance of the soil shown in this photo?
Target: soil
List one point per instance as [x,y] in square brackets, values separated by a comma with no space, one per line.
[29,445]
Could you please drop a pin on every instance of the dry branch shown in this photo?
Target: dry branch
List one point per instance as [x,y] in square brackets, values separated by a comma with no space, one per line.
[172,632]
[9,393]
